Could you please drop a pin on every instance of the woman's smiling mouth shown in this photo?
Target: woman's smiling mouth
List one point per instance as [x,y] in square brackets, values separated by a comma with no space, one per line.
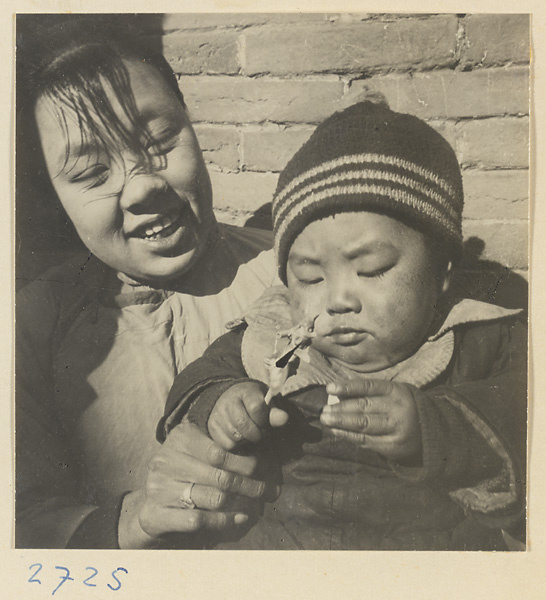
[157,228]
[161,228]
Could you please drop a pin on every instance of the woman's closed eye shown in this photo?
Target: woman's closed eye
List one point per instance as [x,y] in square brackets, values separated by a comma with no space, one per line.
[161,147]
[163,133]
[163,139]
[93,176]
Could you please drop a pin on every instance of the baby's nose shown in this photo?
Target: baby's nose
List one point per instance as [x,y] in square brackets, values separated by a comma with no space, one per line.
[342,298]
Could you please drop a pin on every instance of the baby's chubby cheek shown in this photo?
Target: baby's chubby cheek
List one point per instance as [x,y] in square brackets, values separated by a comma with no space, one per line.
[323,324]
[305,307]
[310,310]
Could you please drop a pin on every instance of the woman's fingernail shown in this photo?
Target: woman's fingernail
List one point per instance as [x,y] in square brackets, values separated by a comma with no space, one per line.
[240,518]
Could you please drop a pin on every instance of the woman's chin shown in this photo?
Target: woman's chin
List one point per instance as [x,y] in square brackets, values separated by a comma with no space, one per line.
[158,262]
[157,271]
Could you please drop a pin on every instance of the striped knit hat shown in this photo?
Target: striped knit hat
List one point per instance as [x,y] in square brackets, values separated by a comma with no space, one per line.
[368,157]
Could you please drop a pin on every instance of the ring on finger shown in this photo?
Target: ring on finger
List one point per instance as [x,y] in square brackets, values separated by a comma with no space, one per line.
[185,499]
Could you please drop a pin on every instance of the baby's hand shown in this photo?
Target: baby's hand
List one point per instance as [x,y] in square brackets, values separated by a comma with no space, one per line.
[241,416]
[376,414]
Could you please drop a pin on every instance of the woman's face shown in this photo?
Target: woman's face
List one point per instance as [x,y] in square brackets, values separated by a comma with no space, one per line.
[372,284]
[150,223]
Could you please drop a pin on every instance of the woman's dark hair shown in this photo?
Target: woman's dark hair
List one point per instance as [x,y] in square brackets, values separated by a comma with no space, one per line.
[73,59]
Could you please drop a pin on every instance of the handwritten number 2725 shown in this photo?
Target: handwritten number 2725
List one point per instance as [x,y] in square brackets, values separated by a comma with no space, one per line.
[66,577]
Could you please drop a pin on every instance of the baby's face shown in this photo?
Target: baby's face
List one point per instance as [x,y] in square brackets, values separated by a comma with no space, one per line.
[150,223]
[372,283]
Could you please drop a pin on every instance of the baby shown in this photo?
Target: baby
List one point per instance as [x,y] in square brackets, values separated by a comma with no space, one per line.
[402,425]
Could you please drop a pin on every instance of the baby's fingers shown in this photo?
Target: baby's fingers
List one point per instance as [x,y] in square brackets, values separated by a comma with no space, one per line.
[277,417]
[351,436]
[360,388]
[234,427]
[224,435]
[243,423]
[369,405]
[359,422]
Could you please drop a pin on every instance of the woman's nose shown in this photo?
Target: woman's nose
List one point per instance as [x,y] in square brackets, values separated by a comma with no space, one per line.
[141,191]
[343,297]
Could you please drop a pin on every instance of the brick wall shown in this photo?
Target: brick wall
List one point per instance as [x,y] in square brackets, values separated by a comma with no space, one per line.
[256,86]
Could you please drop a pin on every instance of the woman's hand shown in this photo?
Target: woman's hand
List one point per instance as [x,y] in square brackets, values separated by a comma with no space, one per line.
[376,414]
[222,485]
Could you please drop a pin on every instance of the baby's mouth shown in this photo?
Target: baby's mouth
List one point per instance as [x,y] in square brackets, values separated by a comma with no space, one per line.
[344,336]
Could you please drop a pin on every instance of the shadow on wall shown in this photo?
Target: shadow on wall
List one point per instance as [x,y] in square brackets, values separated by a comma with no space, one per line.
[44,234]
[489,280]
[477,278]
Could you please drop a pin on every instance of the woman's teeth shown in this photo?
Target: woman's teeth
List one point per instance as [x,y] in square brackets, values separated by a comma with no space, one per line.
[159,227]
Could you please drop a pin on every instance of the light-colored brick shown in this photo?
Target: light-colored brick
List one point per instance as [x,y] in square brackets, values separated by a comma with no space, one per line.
[496,194]
[256,219]
[260,219]
[496,39]
[244,100]
[452,94]
[505,242]
[232,217]
[194,53]
[496,142]
[245,191]
[266,150]
[185,21]
[340,47]
[220,145]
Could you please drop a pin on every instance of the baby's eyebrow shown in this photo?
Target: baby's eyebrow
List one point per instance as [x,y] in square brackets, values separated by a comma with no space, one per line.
[370,247]
[303,259]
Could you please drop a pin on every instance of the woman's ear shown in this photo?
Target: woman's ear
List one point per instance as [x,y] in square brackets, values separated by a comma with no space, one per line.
[446,276]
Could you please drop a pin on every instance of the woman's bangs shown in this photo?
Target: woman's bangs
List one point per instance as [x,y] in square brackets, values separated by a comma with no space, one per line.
[88,95]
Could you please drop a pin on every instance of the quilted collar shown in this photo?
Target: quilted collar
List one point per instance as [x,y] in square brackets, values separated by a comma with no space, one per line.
[271,313]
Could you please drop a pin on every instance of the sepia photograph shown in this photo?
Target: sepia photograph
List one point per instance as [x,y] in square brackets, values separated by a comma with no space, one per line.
[272,281]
